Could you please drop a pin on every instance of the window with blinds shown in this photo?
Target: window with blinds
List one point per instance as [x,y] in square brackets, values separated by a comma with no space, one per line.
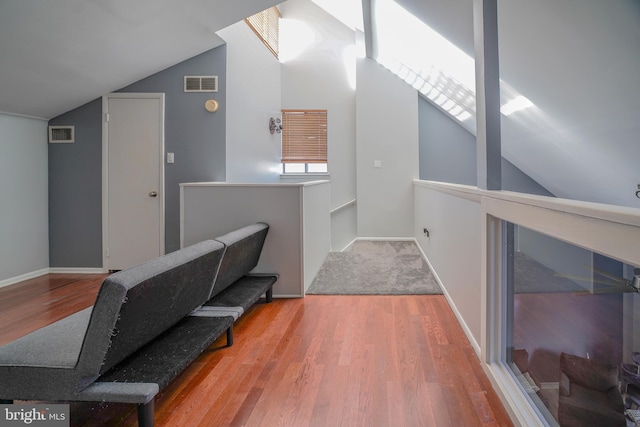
[266,25]
[304,137]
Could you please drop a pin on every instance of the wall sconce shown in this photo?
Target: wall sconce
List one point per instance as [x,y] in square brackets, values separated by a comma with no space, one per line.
[275,125]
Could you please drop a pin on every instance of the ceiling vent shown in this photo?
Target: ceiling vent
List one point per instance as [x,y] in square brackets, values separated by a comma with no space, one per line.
[200,83]
[62,134]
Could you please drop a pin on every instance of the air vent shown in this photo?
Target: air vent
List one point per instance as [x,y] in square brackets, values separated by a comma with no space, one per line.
[200,83]
[62,134]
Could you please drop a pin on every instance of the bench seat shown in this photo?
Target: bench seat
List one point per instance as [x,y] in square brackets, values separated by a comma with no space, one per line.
[164,358]
[245,292]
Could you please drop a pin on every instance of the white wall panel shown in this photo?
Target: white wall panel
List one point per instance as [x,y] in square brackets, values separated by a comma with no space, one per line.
[316,229]
[296,241]
[387,131]
[24,222]
[453,249]
[253,96]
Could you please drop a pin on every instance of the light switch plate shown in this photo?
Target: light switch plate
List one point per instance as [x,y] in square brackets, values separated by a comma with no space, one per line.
[170,158]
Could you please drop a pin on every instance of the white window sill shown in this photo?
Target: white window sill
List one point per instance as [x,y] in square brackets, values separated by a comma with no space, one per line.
[298,177]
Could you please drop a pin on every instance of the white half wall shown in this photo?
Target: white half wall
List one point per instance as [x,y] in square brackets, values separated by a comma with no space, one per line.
[253,96]
[386,135]
[24,197]
[464,246]
[298,216]
[343,226]
[316,228]
[453,249]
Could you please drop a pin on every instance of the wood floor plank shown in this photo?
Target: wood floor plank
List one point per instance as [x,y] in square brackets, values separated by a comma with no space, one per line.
[314,361]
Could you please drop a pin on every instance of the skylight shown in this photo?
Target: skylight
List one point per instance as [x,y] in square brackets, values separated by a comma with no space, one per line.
[420,56]
[432,65]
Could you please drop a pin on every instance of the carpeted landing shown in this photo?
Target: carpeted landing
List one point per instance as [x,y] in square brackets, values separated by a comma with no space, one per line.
[375,268]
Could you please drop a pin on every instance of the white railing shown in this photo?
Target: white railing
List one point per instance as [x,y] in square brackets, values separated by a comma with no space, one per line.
[464,248]
[343,206]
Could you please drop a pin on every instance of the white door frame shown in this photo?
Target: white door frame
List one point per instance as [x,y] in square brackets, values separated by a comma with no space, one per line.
[105,170]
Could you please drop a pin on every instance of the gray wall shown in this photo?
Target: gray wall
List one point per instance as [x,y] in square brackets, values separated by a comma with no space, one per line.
[195,136]
[75,191]
[447,150]
[448,154]
[23,196]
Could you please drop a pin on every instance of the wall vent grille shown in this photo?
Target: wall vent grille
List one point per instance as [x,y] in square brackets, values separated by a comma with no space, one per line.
[200,83]
[62,134]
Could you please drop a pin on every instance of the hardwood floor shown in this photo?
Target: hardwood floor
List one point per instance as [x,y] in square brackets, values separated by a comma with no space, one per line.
[315,361]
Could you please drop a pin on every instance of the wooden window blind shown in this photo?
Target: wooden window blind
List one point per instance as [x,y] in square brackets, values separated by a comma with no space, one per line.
[266,25]
[304,136]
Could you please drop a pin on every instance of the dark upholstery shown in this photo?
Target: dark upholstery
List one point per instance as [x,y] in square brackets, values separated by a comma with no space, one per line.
[245,292]
[243,247]
[132,308]
[41,365]
[156,301]
[147,325]
[589,394]
[165,357]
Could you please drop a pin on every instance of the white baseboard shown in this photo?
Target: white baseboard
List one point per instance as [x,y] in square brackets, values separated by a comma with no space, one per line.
[78,270]
[387,239]
[42,272]
[348,247]
[378,239]
[463,324]
[23,277]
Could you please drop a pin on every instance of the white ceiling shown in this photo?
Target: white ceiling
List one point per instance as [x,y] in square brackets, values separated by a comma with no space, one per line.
[578,62]
[582,139]
[58,55]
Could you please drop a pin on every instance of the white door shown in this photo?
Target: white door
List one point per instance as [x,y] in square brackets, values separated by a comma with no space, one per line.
[133,179]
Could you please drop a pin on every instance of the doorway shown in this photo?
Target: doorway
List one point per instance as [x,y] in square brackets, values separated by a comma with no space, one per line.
[132,179]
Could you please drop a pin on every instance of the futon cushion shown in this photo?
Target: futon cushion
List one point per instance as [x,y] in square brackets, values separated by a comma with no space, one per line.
[56,345]
[161,360]
[245,292]
[41,365]
[243,248]
[134,306]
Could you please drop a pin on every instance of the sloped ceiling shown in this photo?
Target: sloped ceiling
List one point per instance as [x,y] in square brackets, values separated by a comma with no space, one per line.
[58,55]
[578,62]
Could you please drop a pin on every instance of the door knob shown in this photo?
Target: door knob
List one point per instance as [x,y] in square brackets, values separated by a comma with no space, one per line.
[153,194]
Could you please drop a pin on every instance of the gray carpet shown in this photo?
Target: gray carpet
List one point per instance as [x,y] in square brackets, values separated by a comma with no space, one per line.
[375,268]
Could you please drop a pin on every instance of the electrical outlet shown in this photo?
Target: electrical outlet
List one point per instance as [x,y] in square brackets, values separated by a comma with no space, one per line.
[170,158]
[426,232]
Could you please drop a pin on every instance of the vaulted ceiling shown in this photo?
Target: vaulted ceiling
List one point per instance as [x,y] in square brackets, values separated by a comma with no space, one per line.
[58,55]
[578,63]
